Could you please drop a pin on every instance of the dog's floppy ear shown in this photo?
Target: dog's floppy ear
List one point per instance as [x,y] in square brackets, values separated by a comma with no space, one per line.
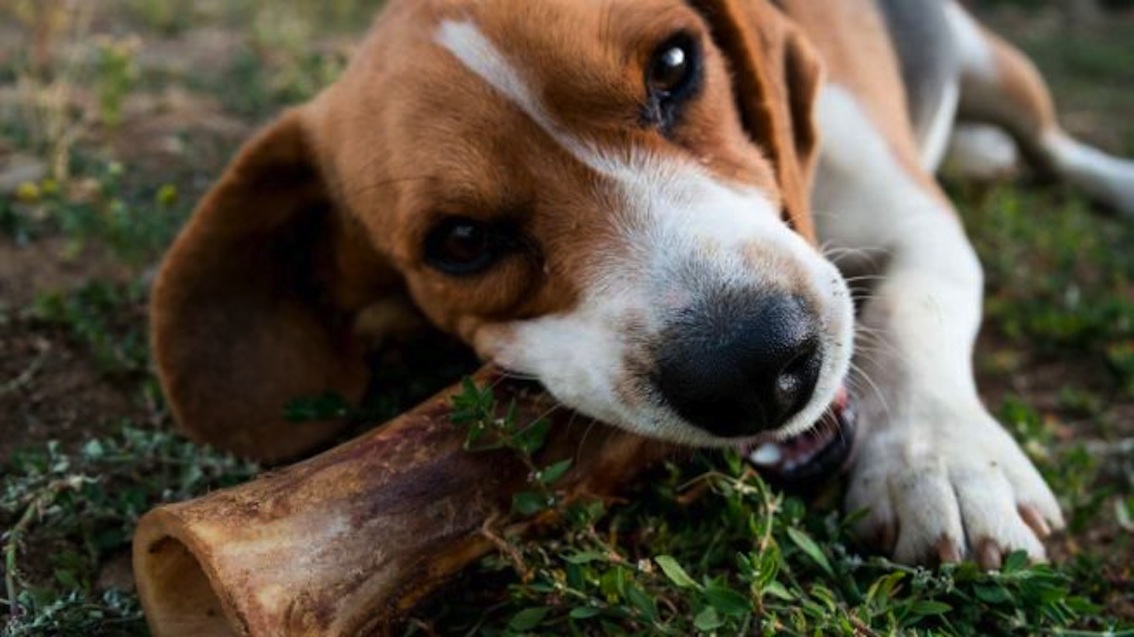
[255,301]
[776,76]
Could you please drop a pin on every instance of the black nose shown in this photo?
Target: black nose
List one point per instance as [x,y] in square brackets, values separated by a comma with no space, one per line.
[741,363]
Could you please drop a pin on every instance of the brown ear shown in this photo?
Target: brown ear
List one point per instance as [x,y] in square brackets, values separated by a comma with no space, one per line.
[776,77]
[251,308]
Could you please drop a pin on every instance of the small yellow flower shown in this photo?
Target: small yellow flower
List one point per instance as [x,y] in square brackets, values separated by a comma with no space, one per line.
[28,192]
[167,195]
[49,187]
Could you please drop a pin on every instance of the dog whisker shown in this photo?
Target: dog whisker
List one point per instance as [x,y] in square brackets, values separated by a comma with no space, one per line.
[827,214]
[877,344]
[837,253]
[593,422]
[514,375]
[878,339]
[859,372]
[864,277]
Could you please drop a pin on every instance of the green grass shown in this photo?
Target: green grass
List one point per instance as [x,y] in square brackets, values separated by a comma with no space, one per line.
[703,547]
[707,547]
[67,513]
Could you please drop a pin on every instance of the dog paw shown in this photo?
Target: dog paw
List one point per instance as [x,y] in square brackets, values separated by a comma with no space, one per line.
[944,487]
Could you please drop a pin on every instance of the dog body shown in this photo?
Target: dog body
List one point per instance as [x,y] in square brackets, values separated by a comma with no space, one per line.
[615,198]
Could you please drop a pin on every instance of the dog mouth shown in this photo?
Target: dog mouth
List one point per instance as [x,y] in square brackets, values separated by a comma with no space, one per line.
[812,455]
[801,461]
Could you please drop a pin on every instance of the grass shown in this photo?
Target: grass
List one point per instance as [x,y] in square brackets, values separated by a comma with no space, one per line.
[708,548]
[68,513]
[704,547]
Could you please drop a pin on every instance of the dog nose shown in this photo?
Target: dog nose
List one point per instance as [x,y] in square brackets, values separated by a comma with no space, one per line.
[741,364]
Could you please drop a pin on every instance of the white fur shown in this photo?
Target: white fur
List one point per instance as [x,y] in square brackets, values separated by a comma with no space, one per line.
[936,140]
[981,152]
[976,56]
[680,232]
[931,463]
[1107,179]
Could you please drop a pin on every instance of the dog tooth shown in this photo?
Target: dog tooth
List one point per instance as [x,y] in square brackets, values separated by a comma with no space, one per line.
[766,455]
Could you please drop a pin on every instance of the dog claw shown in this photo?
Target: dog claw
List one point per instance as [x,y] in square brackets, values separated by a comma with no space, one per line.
[1034,519]
[948,550]
[886,537]
[988,554]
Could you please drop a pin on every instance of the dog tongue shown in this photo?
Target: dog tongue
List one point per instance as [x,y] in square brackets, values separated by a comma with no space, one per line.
[814,453]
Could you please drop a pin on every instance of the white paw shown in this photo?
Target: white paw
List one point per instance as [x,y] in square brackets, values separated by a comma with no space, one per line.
[943,484]
[981,152]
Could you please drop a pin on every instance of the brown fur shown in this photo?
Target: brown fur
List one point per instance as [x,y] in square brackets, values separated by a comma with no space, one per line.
[248,310]
[323,214]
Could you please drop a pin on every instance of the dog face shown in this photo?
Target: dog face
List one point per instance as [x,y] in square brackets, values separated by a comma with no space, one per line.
[609,197]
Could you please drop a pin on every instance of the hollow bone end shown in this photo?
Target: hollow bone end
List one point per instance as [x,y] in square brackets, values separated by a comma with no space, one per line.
[178,593]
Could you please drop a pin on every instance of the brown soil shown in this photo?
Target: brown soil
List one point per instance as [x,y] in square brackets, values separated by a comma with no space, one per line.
[48,265]
[50,390]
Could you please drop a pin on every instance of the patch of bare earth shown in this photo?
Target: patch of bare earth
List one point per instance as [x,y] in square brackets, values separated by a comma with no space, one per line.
[48,265]
[49,390]
[161,132]
[49,387]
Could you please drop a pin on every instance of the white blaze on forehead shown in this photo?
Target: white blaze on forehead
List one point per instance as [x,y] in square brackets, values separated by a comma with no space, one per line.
[476,53]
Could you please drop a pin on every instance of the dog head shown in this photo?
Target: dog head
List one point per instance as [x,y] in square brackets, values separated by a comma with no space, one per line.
[609,197]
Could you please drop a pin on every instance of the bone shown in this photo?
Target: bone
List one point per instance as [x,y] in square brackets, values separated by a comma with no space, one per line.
[346,543]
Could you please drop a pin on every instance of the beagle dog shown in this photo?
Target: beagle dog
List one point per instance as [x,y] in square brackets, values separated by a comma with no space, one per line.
[634,202]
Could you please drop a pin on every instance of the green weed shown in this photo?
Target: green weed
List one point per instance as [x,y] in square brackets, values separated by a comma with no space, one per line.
[255,87]
[1061,278]
[115,75]
[475,409]
[66,514]
[107,320]
[103,205]
[168,17]
[737,559]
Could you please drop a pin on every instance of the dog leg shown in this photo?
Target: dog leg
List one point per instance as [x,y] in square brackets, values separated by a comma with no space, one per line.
[941,479]
[1000,86]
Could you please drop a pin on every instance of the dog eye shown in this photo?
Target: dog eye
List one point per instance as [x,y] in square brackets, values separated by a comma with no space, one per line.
[674,69]
[462,246]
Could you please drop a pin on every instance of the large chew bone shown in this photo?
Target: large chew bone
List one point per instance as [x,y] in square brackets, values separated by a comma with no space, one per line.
[344,543]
